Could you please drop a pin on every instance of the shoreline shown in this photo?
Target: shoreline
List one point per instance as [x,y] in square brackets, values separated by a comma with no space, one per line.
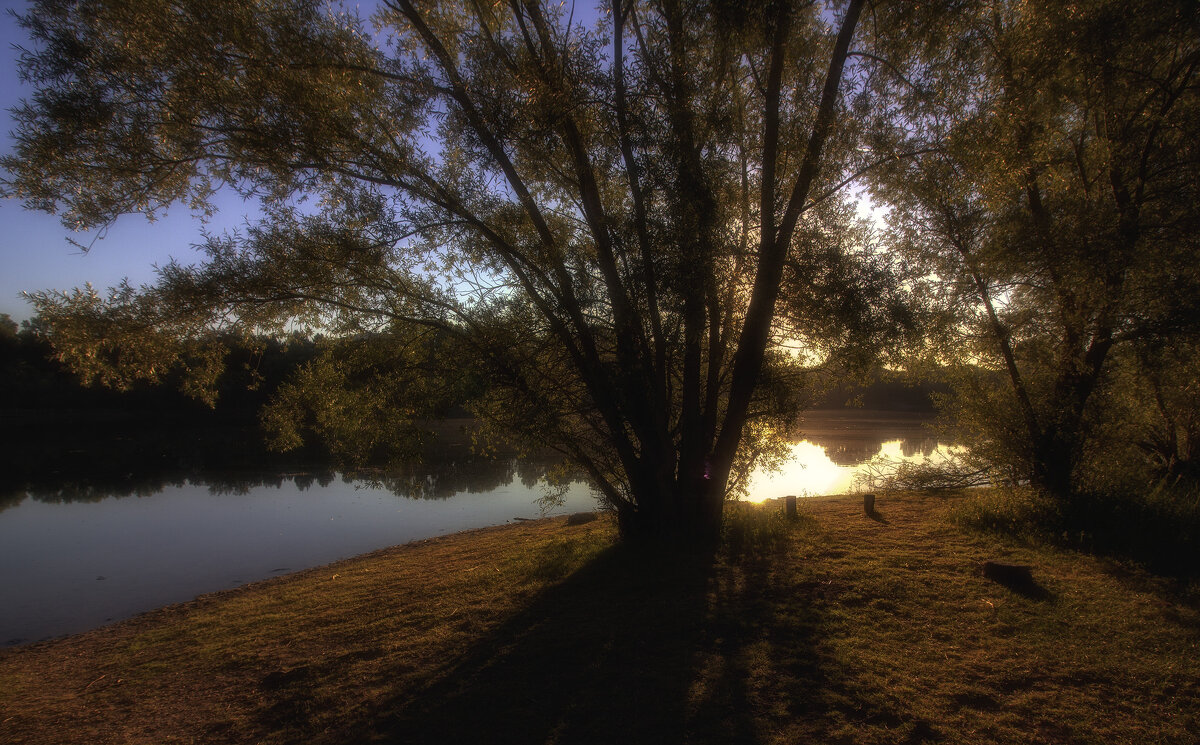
[379,554]
[207,598]
[838,626]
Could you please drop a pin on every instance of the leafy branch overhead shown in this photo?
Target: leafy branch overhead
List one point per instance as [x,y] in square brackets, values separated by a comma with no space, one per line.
[599,212]
[628,227]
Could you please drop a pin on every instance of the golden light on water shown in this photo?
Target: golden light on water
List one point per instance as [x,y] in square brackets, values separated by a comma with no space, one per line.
[811,473]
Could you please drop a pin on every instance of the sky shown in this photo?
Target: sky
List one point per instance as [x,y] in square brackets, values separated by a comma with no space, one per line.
[35,248]
[36,252]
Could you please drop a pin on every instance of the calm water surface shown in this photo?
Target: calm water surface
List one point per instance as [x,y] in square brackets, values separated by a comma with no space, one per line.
[73,558]
[834,449]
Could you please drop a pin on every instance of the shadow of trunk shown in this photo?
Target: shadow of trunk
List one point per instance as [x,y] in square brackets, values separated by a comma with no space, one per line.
[636,648]
[606,656]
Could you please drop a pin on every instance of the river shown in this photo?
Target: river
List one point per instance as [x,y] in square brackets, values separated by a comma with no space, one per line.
[77,556]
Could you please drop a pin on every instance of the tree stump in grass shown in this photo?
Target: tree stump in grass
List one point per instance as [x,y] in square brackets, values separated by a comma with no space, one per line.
[868,504]
[791,507]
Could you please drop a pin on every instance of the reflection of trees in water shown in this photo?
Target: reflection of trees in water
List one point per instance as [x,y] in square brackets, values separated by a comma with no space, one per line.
[431,479]
[304,480]
[88,458]
[225,467]
[52,492]
[847,451]
[918,446]
[235,484]
[854,451]
[93,460]
[446,478]
[851,439]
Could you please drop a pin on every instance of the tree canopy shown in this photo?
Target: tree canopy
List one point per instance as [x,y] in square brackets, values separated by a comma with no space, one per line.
[1053,208]
[596,218]
[626,232]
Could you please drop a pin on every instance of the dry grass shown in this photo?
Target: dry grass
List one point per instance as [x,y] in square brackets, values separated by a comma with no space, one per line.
[838,628]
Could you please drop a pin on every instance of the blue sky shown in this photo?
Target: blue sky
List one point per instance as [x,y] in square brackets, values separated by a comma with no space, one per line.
[35,248]
[36,252]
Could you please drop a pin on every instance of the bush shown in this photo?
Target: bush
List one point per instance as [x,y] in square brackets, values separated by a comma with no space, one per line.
[1016,512]
[1159,528]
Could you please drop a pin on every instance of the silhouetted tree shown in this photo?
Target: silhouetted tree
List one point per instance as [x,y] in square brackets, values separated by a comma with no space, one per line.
[597,220]
[1054,210]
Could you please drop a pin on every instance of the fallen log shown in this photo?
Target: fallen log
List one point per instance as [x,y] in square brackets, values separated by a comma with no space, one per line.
[579,518]
[1009,575]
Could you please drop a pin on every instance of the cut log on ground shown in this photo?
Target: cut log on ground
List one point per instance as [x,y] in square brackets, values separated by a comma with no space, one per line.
[1010,575]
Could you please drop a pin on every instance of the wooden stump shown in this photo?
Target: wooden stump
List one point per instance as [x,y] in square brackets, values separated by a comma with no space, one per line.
[868,504]
[791,507]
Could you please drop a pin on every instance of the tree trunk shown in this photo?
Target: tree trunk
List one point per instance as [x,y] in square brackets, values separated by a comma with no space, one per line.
[693,525]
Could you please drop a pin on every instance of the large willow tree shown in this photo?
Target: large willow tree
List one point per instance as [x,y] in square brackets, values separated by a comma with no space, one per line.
[597,217]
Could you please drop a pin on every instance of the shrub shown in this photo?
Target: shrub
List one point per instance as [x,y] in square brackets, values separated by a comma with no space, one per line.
[1159,528]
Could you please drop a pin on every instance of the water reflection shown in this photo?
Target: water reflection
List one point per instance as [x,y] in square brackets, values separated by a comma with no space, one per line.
[855,451]
[833,448]
[74,556]
[432,479]
[830,449]
[78,551]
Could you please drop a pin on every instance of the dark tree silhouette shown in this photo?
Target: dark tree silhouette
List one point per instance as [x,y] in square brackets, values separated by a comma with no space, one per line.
[598,219]
[1054,210]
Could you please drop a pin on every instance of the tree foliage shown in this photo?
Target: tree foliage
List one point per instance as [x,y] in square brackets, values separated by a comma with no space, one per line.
[597,217]
[1054,210]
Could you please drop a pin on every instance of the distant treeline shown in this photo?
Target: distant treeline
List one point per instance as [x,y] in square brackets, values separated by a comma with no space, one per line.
[59,431]
[31,379]
[885,390]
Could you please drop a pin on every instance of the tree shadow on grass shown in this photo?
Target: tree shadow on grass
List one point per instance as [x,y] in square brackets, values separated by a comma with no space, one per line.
[1017,579]
[641,648]
[605,656]
[773,674]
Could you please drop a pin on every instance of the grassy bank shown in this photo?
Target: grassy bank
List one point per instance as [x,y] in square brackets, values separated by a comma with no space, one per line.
[837,628]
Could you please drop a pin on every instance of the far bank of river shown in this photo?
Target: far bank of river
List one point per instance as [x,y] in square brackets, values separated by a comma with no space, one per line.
[76,555]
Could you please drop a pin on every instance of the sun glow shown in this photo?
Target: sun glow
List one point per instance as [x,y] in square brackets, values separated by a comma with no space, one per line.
[811,472]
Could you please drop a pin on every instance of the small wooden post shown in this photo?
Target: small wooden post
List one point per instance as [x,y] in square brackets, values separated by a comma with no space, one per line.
[791,507]
[869,504]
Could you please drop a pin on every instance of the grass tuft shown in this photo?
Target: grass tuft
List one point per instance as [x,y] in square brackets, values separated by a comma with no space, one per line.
[756,530]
